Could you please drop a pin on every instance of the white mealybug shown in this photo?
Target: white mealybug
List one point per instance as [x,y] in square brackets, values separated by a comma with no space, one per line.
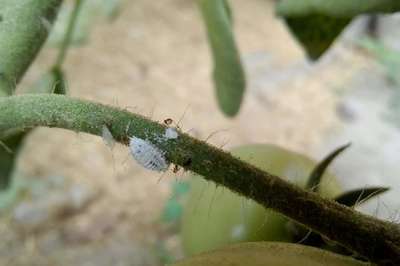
[148,155]
[171,133]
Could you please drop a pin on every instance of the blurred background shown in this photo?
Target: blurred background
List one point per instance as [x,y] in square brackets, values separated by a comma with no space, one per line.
[79,201]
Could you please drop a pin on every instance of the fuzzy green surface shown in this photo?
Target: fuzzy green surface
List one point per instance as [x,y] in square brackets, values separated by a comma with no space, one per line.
[24,26]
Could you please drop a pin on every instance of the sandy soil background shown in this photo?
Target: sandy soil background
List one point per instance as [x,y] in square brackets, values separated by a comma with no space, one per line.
[154,60]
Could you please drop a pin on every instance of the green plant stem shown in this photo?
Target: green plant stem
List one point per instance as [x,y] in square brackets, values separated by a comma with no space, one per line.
[68,35]
[377,240]
[24,26]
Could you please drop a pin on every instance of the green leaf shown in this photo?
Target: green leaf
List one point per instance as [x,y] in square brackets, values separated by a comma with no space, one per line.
[316,32]
[335,8]
[319,170]
[352,197]
[23,29]
[228,73]
[317,23]
[228,11]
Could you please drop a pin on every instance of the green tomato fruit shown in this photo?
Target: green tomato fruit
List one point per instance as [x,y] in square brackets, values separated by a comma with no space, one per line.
[269,253]
[214,216]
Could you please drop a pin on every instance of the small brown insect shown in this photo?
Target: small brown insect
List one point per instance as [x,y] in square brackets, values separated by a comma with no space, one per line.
[176,168]
[168,121]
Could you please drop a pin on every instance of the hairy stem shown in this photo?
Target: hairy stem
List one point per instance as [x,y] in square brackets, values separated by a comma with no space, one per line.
[377,240]
[24,26]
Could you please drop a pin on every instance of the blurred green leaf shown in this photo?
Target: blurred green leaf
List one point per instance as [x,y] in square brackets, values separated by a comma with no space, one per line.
[228,11]
[229,76]
[352,197]
[335,8]
[319,170]
[91,13]
[82,28]
[316,32]
[317,23]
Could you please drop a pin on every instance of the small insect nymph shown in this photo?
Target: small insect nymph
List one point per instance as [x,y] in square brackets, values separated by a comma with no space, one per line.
[171,133]
[148,155]
[168,121]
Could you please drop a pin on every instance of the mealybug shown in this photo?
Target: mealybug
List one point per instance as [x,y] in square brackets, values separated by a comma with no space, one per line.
[171,133]
[148,155]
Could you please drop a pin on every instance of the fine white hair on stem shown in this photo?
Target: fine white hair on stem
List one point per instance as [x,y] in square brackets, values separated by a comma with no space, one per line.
[148,155]
[182,117]
[108,137]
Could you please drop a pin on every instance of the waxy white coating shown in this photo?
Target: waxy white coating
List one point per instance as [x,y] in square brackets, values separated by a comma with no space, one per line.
[148,155]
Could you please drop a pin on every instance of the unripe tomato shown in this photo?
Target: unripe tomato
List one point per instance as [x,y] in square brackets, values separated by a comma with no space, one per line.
[214,216]
[269,253]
